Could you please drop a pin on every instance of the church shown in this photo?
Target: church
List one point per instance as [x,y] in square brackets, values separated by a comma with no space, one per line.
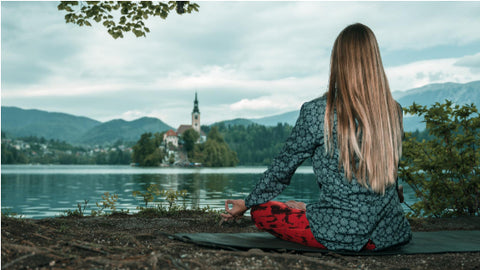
[173,136]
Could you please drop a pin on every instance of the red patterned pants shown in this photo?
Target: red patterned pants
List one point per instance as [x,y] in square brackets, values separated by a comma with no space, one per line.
[288,224]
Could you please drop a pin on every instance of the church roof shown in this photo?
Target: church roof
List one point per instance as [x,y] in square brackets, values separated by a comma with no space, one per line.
[183,128]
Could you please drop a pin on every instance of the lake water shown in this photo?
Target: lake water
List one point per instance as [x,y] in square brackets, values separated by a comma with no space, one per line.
[39,191]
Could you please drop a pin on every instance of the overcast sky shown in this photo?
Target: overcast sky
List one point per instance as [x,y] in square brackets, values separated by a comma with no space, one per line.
[245,59]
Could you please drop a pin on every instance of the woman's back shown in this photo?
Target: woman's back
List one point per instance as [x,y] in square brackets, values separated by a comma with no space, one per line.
[353,135]
[348,214]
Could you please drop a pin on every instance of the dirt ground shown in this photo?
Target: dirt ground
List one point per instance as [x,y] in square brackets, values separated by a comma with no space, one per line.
[125,241]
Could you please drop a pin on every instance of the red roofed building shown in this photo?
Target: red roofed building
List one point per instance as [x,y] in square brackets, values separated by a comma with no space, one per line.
[171,137]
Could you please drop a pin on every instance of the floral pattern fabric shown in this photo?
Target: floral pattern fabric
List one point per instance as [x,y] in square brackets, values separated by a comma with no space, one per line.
[347,214]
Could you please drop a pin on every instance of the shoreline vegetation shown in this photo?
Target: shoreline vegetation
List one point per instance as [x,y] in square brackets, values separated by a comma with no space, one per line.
[229,145]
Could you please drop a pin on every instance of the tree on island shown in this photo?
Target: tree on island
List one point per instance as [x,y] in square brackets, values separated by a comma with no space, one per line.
[215,152]
[146,151]
[190,137]
[132,14]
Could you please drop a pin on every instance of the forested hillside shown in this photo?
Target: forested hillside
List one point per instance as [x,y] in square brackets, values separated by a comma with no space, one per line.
[255,144]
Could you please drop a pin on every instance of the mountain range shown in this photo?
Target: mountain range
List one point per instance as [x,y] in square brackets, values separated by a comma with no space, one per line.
[426,95]
[17,122]
[466,93]
[50,125]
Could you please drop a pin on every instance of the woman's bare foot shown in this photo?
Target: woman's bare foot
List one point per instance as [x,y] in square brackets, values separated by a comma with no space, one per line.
[296,205]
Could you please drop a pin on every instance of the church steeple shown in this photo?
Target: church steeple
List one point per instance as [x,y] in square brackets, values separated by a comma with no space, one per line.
[196,115]
[195,105]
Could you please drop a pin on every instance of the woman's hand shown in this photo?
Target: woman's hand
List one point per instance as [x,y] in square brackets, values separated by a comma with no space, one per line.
[238,209]
[296,205]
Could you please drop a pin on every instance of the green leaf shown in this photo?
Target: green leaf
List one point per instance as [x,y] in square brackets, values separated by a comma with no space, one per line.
[138,33]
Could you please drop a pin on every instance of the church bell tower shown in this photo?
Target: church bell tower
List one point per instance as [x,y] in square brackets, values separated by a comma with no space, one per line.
[196,115]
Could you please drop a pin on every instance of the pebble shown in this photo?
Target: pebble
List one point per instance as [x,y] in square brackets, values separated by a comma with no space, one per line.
[255,250]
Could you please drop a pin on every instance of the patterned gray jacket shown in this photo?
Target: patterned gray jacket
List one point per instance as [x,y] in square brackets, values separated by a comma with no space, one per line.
[347,214]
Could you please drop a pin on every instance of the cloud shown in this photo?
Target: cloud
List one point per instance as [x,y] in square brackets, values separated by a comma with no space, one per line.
[470,61]
[60,87]
[420,73]
[260,104]
[423,25]
[245,59]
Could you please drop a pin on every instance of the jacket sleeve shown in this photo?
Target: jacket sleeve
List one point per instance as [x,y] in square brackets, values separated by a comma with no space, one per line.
[299,146]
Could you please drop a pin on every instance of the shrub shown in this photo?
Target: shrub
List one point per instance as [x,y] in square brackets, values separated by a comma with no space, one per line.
[444,171]
[171,196]
[108,202]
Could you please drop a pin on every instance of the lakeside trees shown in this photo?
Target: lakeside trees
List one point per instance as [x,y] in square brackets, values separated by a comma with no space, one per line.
[34,150]
[10,155]
[252,145]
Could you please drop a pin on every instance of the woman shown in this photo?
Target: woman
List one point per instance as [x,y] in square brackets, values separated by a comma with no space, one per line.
[353,134]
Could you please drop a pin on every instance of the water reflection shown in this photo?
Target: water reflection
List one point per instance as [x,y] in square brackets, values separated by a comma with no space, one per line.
[46,191]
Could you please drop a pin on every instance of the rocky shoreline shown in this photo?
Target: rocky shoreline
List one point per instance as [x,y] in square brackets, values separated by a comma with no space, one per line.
[123,241]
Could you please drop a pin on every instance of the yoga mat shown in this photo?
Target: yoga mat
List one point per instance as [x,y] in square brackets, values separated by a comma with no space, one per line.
[422,242]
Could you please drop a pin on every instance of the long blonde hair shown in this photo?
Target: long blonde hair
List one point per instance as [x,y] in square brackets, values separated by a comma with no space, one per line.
[369,121]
